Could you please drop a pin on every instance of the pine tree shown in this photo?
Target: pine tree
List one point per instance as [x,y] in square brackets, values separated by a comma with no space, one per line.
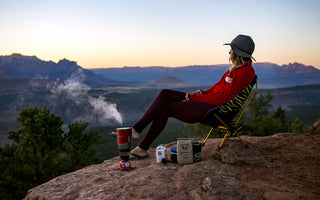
[41,150]
[281,121]
[79,146]
[297,126]
[259,106]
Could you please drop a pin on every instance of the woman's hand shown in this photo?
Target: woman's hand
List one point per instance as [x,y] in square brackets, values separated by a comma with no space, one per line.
[187,95]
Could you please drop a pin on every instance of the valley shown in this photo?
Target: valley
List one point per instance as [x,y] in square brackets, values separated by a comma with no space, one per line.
[112,97]
[129,101]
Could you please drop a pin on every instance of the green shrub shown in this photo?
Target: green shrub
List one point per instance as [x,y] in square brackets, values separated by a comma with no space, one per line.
[297,126]
[42,151]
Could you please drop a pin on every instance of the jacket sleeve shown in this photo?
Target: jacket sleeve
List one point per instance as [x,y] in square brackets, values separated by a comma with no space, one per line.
[224,90]
[209,98]
[212,95]
[212,87]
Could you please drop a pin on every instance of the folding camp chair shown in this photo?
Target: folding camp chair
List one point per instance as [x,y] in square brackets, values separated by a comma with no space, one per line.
[229,115]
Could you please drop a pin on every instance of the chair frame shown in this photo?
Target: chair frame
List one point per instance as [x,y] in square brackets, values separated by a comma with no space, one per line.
[230,128]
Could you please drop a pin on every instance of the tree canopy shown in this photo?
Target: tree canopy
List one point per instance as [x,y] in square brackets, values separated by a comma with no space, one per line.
[42,150]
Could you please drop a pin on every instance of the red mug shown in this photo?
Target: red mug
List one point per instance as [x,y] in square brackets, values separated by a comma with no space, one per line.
[124,143]
[124,138]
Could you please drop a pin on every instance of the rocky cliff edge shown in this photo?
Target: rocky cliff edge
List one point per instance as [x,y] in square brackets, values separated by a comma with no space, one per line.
[282,166]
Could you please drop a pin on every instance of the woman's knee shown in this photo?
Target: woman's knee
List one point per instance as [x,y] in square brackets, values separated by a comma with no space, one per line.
[165,92]
[171,94]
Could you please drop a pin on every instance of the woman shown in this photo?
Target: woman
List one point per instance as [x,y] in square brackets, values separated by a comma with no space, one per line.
[192,106]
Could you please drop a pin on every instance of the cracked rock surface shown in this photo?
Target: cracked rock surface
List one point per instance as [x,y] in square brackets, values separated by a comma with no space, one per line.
[282,166]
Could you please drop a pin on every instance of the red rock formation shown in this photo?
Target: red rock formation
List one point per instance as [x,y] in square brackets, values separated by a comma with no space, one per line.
[282,166]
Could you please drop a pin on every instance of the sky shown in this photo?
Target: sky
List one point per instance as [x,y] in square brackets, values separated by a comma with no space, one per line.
[172,33]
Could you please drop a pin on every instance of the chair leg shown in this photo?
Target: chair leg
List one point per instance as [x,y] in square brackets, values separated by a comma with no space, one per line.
[245,144]
[224,138]
[204,142]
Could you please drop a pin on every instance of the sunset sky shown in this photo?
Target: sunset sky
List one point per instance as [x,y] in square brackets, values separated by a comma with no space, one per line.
[172,33]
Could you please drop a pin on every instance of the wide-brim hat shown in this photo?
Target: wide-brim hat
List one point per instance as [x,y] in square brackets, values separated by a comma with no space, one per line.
[243,46]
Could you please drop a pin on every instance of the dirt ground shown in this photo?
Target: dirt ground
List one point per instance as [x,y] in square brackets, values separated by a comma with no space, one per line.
[281,166]
[295,169]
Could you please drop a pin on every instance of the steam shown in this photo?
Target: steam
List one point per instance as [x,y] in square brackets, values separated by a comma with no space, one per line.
[105,109]
[73,87]
[98,109]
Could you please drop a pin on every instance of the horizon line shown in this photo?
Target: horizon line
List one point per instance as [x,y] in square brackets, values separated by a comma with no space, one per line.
[132,66]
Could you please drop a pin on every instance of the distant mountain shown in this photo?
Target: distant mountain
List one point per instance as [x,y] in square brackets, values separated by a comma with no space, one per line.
[298,95]
[298,68]
[20,66]
[269,75]
[195,74]
[166,82]
[294,74]
[2,74]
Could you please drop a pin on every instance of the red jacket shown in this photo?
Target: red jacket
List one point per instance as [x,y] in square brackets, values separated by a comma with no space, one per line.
[229,86]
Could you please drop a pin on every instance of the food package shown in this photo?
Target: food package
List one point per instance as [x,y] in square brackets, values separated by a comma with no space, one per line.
[184,151]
